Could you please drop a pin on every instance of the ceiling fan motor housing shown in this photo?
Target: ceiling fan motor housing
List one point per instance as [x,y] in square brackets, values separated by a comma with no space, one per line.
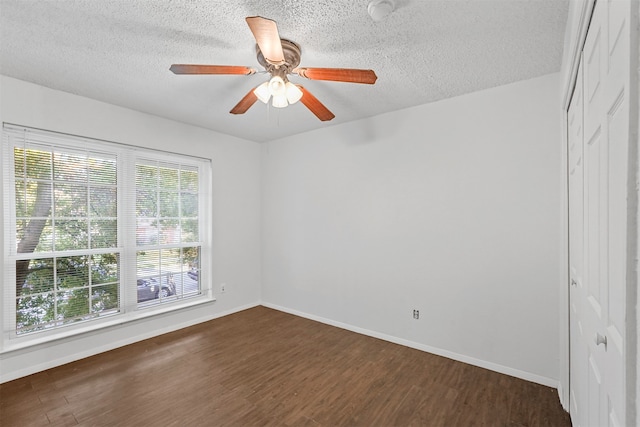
[291,58]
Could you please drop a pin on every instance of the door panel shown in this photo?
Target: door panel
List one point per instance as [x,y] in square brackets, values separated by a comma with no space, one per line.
[598,207]
[578,361]
[616,94]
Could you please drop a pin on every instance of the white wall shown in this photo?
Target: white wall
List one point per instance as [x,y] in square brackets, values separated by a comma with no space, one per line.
[236,213]
[451,208]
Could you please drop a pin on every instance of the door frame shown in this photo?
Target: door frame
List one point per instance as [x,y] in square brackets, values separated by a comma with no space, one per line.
[577,26]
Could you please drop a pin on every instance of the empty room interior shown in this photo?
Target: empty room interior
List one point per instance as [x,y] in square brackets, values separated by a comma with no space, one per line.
[320,213]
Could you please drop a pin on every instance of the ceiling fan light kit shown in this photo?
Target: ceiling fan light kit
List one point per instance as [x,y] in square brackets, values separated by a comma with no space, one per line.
[281,57]
[283,93]
[293,93]
[279,101]
[276,86]
[262,92]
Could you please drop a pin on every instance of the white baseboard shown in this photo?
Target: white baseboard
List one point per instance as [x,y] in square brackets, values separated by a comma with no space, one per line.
[5,377]
[563,399]
[527,376]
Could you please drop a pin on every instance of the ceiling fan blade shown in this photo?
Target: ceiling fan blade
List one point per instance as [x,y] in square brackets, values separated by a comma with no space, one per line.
[210,69]
[266,34]
[245,103]
[350,75]
[316,107]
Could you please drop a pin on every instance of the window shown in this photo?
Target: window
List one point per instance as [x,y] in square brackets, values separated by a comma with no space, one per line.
[98,231]
[167,238]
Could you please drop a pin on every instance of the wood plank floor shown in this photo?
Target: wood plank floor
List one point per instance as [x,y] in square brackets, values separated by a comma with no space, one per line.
[263,367]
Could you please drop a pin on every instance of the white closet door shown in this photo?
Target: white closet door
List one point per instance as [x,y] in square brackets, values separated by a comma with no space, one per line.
[578,362]
[606,135]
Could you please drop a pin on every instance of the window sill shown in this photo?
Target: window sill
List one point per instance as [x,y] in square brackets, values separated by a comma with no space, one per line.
[39,338]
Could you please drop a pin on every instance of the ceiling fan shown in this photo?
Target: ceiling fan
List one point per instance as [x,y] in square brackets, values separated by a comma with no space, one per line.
[280,57]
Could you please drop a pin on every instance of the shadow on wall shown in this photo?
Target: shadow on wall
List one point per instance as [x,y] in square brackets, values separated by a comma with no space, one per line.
[372,129]
[366,130]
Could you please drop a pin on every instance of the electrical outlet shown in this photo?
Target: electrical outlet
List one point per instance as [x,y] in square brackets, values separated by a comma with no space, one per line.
[223,288]
[416,314]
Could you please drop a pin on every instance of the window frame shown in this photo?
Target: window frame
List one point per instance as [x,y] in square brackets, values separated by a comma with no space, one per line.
[127,157]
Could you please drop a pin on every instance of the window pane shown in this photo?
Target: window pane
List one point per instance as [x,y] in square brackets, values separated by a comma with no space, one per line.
[148,276]
[42,305]
[70,199]
[189,205]
[38,198]
[168,204]
[73,305]
[72,272]
[19,163]
[34,276]
[105,269]
[148,264]
[146,232]
[102,170]
[179,276]
[190,230]
[146,203]
[171,271]
[71,234]
[105,277]
[189,179]
[103,202]
[169,231]
[34,312]
[104,233]
[176,196]
[33,164]
[70,167]
[30,232]
[168,177]
[191,281]
[104,299]
[21,198]
[146,176]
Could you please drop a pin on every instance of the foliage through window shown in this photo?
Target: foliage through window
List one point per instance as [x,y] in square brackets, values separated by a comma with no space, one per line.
[99,229]
[166,230]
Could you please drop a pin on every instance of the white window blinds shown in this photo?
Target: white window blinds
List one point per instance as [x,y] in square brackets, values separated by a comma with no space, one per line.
[97,229]
[167,235]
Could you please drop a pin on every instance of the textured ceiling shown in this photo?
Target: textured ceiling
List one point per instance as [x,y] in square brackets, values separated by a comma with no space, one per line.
[119,51]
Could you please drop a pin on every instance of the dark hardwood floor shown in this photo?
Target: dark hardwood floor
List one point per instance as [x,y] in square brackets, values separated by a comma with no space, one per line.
[264,367]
